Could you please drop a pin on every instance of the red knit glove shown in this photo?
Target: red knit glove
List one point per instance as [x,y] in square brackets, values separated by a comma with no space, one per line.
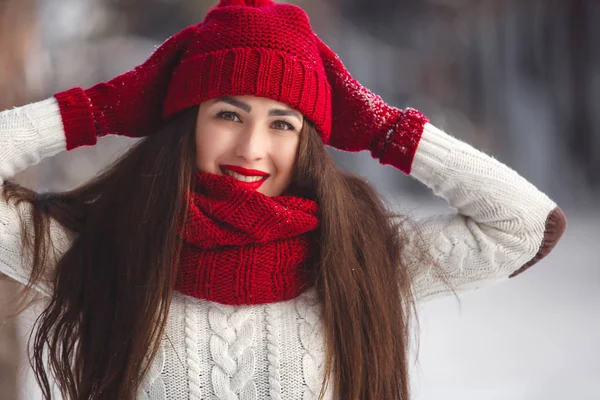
[128,105]
[361,120]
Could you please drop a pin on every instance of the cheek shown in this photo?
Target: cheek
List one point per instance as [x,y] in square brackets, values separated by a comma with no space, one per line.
[285,158]
[208,149]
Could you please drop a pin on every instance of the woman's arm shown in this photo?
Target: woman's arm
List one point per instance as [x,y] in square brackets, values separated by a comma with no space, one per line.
[504,224]
[28,134]
[127,105]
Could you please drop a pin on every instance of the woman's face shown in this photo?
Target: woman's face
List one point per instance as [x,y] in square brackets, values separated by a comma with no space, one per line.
[249,138]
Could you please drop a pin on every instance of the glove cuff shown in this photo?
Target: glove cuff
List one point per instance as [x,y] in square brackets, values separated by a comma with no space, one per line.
[399,145]
[77,117]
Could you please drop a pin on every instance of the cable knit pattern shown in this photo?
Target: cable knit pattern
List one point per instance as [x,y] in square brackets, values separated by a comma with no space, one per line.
[153,386]
[273,313]
[230,348]
[276,350]
[309,330]
[192,352]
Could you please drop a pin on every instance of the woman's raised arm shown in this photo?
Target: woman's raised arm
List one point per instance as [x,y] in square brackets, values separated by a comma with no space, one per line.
[28,134]
[503,223]
[127,105]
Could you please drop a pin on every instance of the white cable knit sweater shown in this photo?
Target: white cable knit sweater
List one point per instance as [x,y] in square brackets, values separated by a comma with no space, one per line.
[211,351]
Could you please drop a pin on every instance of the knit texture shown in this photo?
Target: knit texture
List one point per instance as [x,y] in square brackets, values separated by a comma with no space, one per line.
[361,120]
[266,50]
[256,48]
[242,247]
[213,351]
[245,47]
[127,105]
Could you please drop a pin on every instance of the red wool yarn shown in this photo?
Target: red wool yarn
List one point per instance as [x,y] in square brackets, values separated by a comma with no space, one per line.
[254,48]
[245,47]
[242,247]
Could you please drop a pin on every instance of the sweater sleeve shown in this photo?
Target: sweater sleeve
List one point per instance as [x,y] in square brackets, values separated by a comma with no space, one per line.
[28,134]
[503,223]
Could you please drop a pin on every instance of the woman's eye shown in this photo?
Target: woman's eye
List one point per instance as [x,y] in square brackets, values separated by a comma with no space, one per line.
[283,126]
[228,116]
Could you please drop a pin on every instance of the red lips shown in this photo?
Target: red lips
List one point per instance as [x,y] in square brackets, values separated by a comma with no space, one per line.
[247,172]
[244,171]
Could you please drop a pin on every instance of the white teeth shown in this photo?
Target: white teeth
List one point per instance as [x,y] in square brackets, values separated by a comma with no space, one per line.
[241,177]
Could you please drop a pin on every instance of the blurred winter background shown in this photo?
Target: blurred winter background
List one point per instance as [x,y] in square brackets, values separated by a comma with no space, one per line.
[519,79]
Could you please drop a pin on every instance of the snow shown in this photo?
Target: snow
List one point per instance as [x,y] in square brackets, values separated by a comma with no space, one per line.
[534,337]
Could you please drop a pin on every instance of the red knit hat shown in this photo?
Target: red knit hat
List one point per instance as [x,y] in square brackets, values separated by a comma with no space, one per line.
[257,48]
[246,47]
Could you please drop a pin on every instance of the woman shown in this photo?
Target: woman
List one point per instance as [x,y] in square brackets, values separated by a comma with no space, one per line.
[225,255]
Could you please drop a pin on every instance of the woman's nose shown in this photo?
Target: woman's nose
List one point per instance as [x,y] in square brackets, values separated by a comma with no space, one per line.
[253,143]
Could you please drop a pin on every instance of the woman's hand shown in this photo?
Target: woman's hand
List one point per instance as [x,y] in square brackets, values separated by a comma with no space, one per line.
[128,105]
[363,121]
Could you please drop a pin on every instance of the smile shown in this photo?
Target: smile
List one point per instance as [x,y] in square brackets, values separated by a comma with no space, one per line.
[251,179]
[243,178]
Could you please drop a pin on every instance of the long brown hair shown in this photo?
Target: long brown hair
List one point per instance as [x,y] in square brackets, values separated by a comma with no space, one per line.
[112,289]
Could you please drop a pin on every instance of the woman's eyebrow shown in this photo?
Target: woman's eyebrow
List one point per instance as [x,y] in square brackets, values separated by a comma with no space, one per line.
[279,112]
[235,103]
[274,112]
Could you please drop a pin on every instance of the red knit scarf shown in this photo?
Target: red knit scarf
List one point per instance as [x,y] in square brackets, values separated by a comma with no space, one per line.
[243,247]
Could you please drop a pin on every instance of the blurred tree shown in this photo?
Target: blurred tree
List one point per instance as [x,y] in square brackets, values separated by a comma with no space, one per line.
[160,18]
[524,70]
[583,142]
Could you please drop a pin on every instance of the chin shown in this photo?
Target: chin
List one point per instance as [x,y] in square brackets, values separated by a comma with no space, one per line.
[266,192]
[270,192]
